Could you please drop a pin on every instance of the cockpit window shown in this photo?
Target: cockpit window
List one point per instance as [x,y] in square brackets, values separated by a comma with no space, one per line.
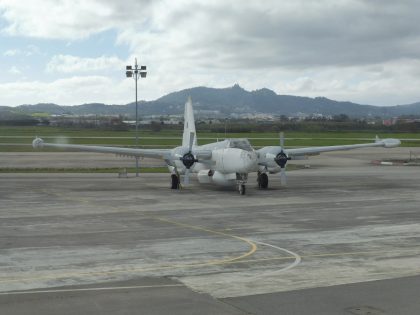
[242,144]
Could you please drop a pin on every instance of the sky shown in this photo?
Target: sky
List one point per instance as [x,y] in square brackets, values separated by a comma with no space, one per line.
[75,51]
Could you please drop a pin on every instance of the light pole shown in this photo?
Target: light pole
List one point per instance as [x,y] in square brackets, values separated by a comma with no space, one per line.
[136,73]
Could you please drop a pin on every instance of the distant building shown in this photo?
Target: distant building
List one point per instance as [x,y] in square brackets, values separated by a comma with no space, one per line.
[390,122]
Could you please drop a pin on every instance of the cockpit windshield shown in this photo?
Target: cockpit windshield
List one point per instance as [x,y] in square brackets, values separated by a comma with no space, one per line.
[242,144]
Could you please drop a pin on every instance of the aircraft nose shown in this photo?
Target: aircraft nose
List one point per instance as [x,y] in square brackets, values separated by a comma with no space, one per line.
[250,159]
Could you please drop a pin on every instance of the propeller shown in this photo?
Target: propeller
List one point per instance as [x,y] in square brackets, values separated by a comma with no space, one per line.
[188,160]
[281,160]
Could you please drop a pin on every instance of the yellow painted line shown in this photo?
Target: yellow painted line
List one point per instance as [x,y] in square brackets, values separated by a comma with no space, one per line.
[322,255]
[253,248]
[229,260]
[215,262]
[234,260]
[200,264]
[199,228]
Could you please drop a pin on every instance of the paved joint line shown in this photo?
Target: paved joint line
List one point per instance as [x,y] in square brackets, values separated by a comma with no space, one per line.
[360,253]
[92,289]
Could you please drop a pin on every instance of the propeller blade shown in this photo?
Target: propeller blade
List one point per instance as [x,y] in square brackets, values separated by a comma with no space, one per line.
[191,141]
[281,159]
[283,177]
[187,176]
[282,139]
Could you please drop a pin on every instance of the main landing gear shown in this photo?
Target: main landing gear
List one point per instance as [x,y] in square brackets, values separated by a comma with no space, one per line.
[262,180]
[175,182]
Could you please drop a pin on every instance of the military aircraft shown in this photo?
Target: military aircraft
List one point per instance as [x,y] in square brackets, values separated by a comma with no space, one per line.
[224,163]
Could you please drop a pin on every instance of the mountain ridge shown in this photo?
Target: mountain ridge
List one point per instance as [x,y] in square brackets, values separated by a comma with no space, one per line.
[227,101]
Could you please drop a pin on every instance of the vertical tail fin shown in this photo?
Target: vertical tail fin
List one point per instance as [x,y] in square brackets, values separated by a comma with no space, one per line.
[189,124]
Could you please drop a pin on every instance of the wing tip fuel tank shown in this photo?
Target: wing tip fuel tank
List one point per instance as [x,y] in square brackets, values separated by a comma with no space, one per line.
[390,143]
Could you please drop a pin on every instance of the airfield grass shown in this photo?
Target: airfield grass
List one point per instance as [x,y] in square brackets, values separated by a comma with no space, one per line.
[82,170]
[19,139]
[129,170]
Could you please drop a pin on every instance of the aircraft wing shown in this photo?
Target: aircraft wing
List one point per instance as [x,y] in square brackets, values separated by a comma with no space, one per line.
[152,153]
[387,143]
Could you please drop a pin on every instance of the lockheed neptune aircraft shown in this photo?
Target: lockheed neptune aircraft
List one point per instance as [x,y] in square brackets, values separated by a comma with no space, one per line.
[225,163]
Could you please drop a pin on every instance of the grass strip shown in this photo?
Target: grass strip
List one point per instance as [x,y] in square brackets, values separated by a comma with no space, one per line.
[82,170]
[290,167]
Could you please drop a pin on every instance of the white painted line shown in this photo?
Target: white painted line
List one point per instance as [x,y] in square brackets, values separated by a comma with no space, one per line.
[297,261]
[93,289]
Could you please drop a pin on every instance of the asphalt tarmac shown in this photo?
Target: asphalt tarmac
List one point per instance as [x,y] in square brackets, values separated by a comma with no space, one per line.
[341,238]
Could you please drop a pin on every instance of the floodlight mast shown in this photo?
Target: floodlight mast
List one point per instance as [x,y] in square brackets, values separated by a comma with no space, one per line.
[138,72]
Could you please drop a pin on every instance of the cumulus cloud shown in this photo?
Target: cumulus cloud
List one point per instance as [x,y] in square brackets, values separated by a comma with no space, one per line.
[280,34]
[323,48]
[68,91]
[359,50]
[235,33]
[70,64]
[68,19]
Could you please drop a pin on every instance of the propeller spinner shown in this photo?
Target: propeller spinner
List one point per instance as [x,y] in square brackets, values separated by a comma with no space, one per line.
[188,160]
[281,160]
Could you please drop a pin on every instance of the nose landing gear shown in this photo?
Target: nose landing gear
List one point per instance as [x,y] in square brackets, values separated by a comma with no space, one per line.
[241,180]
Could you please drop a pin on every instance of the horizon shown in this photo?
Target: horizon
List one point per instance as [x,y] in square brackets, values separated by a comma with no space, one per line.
[236,84]
[352,51]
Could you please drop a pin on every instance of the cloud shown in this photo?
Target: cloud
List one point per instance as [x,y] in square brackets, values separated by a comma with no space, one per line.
[14,70]
[11,52]
[233,34]
[71,64]
[365,51]
[296,34]
[323,48]
[388,83]
[29,51]
[68,91]
[68,19]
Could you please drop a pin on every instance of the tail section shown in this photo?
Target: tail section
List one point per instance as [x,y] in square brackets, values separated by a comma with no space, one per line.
[189,124]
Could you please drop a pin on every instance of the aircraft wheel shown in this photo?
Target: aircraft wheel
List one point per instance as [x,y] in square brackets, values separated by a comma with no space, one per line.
[174,181]
[263,180]
[242,189]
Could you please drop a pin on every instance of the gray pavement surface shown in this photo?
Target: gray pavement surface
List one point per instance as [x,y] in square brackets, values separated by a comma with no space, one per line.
[141,296]
[395,296]
[39,159]
[340,222]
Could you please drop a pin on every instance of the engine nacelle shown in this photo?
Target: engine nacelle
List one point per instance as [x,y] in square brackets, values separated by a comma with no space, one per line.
[270,169]
[269,155]
[391,143]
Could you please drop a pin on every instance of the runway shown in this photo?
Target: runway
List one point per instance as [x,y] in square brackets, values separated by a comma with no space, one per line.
[342,222]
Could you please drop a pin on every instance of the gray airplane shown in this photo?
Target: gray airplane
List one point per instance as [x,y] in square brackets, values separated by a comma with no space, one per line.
[224,163]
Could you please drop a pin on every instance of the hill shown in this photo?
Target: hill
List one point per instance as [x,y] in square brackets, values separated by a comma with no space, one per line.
[226,101]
